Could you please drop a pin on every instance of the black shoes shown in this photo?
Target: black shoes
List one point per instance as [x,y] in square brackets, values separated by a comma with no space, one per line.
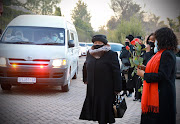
[135,99]
[129,95]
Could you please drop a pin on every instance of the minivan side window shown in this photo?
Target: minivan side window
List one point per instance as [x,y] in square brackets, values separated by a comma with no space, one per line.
[72,36]
[68,37]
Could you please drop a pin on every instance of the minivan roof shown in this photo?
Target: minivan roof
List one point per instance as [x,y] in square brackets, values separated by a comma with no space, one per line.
[41,21]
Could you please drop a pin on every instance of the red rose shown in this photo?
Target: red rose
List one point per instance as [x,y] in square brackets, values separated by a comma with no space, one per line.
[137,40]
[127,48]
[133,42]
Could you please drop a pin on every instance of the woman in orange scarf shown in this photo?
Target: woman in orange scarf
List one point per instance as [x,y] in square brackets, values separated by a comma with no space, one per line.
[158,102]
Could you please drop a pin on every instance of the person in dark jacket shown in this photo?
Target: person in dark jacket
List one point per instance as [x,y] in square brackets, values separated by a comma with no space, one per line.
[101,73]
[149,48]
[158,102]
[137,79]
[127,79]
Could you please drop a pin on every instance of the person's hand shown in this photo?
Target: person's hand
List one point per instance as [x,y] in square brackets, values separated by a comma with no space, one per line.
[140,72]
[148,48]
[142,67]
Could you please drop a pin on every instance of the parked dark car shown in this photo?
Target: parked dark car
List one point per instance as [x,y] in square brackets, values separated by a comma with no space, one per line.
[178,63]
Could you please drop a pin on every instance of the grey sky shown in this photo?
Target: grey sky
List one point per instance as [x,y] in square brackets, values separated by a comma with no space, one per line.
[162,8]
[101,12]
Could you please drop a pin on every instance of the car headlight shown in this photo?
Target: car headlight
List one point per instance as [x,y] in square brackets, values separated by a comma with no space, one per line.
[59,62]
[2,62]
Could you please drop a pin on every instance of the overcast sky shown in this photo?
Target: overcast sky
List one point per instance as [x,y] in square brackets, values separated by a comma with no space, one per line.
[101,12]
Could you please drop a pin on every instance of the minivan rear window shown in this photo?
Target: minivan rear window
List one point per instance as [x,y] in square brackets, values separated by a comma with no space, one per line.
[34,35]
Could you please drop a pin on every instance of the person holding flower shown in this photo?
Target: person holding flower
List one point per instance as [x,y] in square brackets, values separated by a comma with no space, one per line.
[137,95]
[127,81]
[158,101]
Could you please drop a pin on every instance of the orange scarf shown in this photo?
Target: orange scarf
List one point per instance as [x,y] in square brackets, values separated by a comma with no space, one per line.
[150,95]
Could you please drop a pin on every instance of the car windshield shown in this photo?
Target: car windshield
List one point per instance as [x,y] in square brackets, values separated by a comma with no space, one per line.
[82,44]
[115,47]
[33,35]
[89,44]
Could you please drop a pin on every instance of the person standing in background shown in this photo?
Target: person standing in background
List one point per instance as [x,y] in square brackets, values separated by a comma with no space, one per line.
[126,69]
[137,79]
[149,48]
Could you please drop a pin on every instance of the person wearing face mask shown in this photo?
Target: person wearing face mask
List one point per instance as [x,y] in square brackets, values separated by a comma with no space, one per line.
[55,38]
[150,46]
[127,81]
[101,73]
[158,101]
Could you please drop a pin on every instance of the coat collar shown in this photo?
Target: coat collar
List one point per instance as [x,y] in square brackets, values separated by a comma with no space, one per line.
[97,53]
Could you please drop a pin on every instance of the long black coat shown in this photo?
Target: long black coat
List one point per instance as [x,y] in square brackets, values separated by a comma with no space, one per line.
[103,77]
[167,91]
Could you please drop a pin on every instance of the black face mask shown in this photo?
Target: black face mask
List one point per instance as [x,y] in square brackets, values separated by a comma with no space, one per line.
[151,44]
[127,43]
[97,46]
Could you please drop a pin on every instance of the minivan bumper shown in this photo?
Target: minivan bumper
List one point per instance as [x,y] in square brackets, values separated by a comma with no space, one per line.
[44,76]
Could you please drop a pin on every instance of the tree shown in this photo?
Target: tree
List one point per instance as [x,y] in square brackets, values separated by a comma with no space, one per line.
[173,24]
[124,8]
[112,23]
[58,11]
[81,19]
[80,12]
[134,27]
[43,7]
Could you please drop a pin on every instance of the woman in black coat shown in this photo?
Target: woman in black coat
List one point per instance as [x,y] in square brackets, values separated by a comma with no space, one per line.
[101,73]
[165,111]
[127,80]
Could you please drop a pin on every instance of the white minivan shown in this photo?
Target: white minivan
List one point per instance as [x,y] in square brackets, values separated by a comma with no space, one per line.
[38,50]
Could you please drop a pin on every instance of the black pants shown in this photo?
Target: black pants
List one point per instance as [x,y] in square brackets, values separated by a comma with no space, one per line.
[138,86]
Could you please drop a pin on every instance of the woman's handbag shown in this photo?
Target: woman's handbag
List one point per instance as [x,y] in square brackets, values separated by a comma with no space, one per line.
[119,106]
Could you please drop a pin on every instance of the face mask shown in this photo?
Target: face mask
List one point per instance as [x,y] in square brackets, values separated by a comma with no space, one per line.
[54,38]
[127,43]
[97,46]
[151,44]
[156,47]
[18,36]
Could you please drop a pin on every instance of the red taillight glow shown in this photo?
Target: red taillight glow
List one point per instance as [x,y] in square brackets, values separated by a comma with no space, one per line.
[41,66]
[14,65]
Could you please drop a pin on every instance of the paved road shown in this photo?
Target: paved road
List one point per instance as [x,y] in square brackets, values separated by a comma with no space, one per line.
[47,105]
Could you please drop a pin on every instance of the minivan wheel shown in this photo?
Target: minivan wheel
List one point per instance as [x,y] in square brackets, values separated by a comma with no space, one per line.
[6,86]
[65,88]
[75,75]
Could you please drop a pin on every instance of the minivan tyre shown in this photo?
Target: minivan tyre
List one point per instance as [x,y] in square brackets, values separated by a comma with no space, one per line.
[65,88]
[6,86]
[75,75]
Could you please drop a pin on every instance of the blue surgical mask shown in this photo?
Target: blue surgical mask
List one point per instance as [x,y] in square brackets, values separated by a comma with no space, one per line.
[156,47]
[54,38]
